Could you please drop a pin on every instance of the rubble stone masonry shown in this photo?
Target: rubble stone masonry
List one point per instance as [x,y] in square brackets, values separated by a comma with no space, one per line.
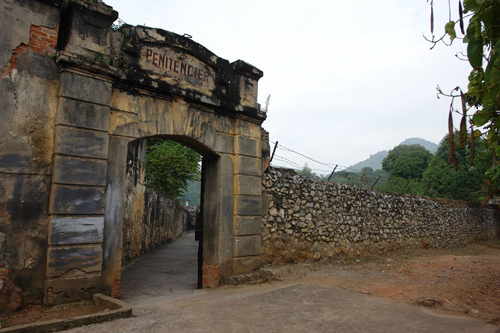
[309,219]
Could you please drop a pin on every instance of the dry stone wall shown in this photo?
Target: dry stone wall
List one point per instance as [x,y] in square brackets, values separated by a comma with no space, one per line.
[310,219]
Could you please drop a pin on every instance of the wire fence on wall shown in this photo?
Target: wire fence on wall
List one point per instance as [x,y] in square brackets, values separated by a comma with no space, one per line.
[326,171]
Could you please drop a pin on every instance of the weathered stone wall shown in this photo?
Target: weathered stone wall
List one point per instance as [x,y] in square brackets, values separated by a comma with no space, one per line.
[73,93]
[309,219]
[150,219]
[28,100]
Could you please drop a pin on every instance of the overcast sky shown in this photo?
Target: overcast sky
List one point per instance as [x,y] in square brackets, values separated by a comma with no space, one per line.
[347,78]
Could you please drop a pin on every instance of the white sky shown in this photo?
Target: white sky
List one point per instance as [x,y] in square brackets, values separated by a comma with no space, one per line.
[347,78]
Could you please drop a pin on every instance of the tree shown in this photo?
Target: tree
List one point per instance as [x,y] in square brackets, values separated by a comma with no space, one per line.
[307,172]
[170,165]
[407,161]
[365,175]
[482,35]
[465,183]
[406,165]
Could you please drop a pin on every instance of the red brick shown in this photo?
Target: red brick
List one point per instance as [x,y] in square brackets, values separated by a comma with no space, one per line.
[211,276]
[41,34]
[21,48]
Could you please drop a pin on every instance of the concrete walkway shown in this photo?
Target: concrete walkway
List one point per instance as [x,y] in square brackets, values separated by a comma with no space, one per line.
[169,271]
[282,307]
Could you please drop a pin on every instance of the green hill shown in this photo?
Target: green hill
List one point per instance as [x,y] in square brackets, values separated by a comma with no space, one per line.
[375,160]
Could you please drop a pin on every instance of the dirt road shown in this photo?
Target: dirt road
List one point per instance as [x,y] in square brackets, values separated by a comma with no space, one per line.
[455,281]
[453,290]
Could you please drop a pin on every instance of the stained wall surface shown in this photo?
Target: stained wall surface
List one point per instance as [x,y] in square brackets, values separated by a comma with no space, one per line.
[28,101]
[74,92]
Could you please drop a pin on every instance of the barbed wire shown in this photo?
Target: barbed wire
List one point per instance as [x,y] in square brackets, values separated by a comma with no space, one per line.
[293,151]
[287,161]
[333,166]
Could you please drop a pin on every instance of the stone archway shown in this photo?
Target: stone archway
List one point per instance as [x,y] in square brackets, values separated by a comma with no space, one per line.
[218,169]
[113,87]
[169,86]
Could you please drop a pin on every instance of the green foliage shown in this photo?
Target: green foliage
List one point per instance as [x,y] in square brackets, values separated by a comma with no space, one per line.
[466,182]
[407,161]
[482,36]
[397,184]
[406,165]
[170,165]
[366,178]
[450,30]
[307,172]
[193,192]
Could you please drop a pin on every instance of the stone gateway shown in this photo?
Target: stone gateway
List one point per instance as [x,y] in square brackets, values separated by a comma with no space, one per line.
[74,91]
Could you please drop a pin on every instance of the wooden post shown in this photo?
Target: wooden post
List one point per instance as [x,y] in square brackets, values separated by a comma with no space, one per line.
[332,172]
[274,150]
[376,182]
[403,191]
[426,189]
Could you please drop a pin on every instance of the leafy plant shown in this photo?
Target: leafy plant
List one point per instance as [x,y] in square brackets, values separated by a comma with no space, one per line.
[307,172]
[170,165]
[479,24]
[466,183]
[407,161]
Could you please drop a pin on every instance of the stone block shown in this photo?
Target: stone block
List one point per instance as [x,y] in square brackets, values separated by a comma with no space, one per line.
[249,185]
[85,258]
[226,166]
[248,205]
[79,142]
[78,171]
[73,288]
[248,225]
[245,265]
[20,162]
[249,165]
[24,200]
[128,101]
[246,246]
[38,65]
[78,230]
[248,129]
[124,124]
[85,88]
[224,143]
[77,200]
[248,146]
[82,114]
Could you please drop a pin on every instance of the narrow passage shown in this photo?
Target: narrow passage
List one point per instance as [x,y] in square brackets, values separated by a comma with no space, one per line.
[169,270]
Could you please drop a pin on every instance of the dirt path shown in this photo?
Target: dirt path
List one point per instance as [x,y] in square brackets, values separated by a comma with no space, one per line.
[460,281]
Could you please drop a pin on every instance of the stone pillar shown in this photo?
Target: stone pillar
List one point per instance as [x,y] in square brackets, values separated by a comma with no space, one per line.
[74,257]
[247,218]
[112,242]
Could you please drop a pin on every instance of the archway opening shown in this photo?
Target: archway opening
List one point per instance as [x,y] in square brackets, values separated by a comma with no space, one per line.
[165,193]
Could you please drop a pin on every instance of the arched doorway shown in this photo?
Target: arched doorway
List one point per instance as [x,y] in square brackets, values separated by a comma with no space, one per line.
[160,254]
[210,210]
